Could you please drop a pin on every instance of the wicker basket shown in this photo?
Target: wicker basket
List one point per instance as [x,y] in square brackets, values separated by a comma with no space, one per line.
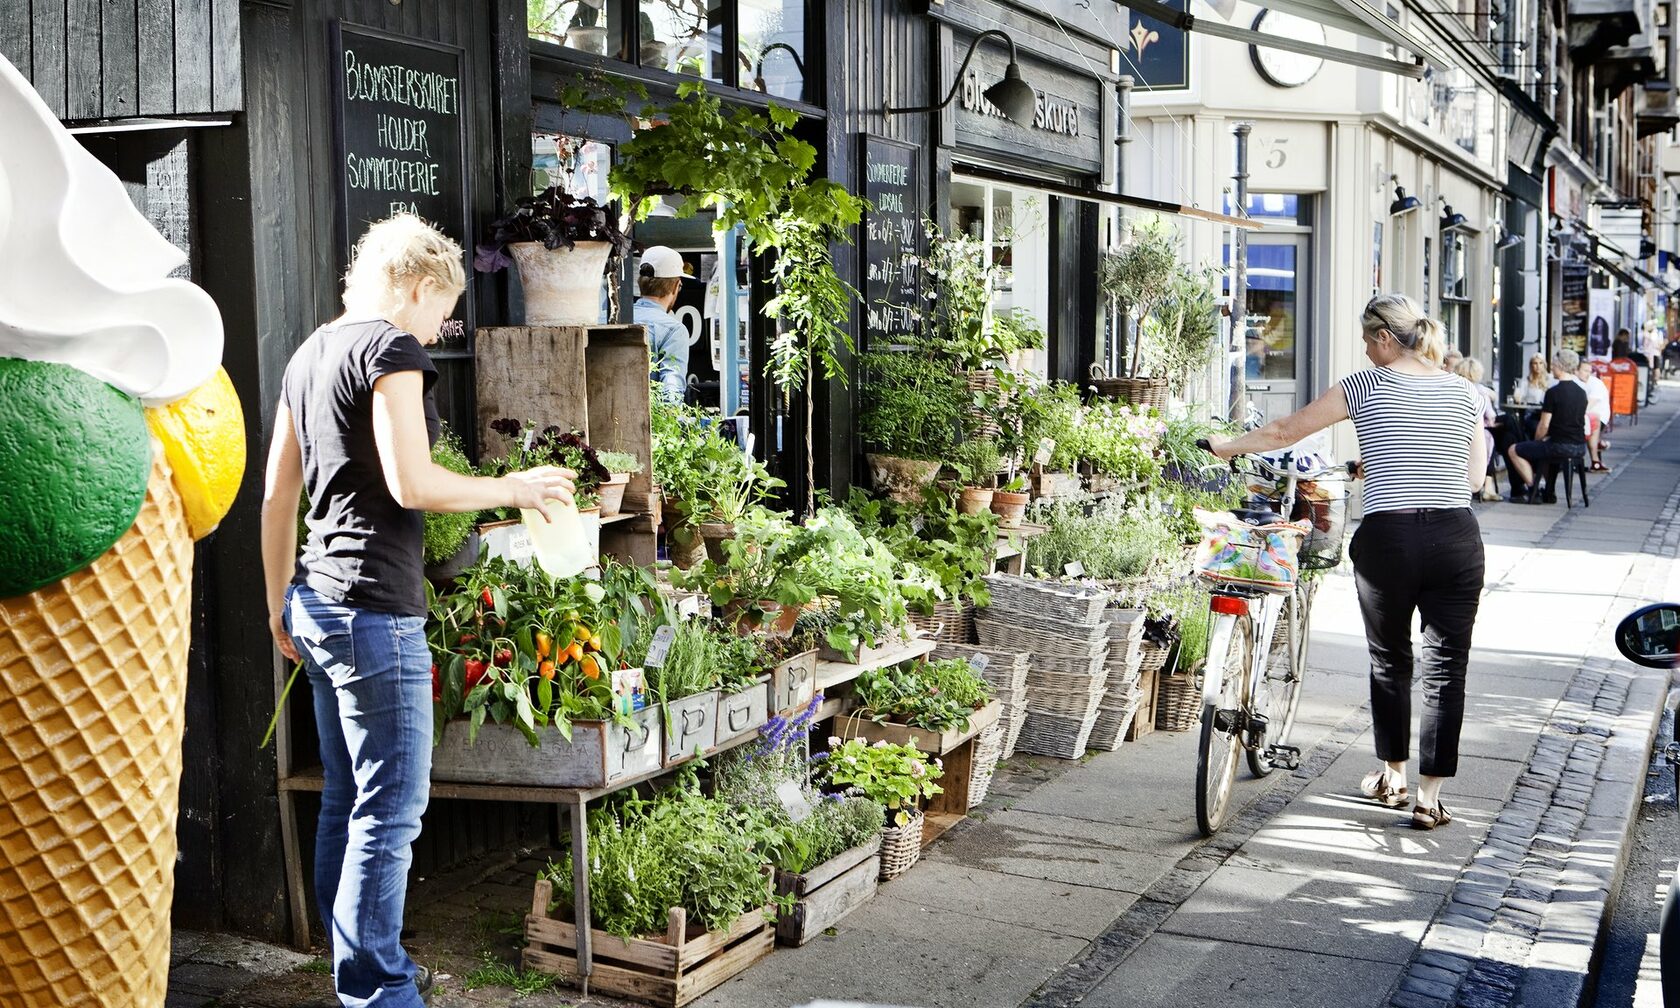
[901,846]
[1113,722]
[1137,391]
[980,421]
[988,749]
[1178,700]
[1154,657]
[1006,672]
[1066,602]
[949,623]
[1055,734]
[992,631]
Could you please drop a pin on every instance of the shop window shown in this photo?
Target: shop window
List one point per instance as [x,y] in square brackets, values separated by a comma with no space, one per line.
[683,37]
[591,26]
[772,46]
[1455,290]
[1013,225]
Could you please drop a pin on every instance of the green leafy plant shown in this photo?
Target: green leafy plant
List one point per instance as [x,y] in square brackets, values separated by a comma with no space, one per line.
[529,446]
[761,565]
[1052,410]
[443,534]
[977,462]
[1111,542]
[1185,605]
[618,462]
[1139,275]
[912,404]
[896,777]
[862,585]
[1182,335]
[952,548]
[495,973]
[1119,440]
[678,849]
[937,695]
[704,475]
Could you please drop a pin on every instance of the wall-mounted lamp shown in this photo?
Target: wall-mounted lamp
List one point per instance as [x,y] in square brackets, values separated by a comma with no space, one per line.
[1402,204]
[1510,241]
[1012,96]
[758,69]
[1452,221]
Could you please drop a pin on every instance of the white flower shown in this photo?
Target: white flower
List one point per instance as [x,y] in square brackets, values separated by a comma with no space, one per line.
[849,759]
[834,742]
[881,744]
[939,763]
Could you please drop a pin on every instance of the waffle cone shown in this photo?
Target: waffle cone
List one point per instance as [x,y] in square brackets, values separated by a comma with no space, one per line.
[93,674]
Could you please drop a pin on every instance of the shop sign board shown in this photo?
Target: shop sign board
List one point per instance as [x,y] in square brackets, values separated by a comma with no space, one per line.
[1156,55]
[1573,289]
[401,142]
[1067,128]
[1601,322]
[892,240]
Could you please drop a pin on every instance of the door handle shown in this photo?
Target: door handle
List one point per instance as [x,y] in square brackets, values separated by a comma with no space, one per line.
[1259,388]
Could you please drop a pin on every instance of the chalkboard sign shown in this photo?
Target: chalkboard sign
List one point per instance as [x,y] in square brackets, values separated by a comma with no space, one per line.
[1574,306]
[401,139]
[892,243]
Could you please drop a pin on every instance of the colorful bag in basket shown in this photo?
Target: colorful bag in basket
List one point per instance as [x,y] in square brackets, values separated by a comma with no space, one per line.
[1261,556]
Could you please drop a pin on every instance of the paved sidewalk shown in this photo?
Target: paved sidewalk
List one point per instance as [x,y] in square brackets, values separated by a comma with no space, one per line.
[1087,883]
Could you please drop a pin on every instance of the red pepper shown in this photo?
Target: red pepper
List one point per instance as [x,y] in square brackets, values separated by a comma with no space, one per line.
[468,638]
[437,685]
[504,658]
[475,672]
[488,599]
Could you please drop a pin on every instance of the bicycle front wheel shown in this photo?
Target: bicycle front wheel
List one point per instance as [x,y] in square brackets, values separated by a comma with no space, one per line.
[1222,735]
[1286,670]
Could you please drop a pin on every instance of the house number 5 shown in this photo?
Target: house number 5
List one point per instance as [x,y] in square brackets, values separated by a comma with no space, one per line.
[1275,158]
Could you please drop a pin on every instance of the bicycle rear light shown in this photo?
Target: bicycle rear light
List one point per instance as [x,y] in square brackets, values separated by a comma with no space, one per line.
[1229,605]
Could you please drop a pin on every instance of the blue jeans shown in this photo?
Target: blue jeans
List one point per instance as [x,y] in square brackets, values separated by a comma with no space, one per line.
[370,673]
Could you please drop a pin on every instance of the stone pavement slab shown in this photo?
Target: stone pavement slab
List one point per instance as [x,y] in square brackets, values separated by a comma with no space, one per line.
[1064,849]
[1072,910]
[1177,972]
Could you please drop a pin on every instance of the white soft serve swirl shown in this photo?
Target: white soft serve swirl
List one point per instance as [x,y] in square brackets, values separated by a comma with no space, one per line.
[85,277]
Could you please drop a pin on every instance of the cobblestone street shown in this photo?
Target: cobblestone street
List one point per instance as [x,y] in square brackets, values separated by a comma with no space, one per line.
[1086,882]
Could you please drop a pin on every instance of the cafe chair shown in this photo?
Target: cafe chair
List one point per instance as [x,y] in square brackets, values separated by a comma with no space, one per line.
[1573,469]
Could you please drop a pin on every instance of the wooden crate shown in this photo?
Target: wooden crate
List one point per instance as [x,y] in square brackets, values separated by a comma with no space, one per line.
[599,753]
[828,892]
[592,379]
[669,970]
[1143,722]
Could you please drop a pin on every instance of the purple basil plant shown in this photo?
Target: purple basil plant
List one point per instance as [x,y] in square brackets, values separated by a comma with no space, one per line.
[556,218]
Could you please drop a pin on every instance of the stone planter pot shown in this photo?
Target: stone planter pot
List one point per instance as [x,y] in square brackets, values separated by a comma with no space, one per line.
[612,494]
[902,479]
[713,534]
[588,39]
[974,500]
[1010,508]
[562,286]
[450,568]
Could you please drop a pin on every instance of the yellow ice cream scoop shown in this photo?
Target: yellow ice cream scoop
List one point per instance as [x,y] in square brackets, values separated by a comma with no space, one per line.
[203,436]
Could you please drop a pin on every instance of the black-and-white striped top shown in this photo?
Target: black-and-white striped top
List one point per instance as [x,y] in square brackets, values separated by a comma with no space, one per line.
[1414,437]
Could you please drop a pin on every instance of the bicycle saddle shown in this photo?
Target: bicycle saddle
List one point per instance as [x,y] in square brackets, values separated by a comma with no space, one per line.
[1257,512]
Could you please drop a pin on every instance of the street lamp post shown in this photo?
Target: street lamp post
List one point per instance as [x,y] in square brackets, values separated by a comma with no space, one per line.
[1237,409]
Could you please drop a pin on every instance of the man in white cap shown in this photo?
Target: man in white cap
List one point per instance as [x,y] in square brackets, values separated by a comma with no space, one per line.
[660,282]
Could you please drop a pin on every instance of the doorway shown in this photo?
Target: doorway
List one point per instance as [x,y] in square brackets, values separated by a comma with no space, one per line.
[1277,361]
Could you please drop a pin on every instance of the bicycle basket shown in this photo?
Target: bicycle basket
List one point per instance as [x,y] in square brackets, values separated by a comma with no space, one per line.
[1321,505]
[1264,557]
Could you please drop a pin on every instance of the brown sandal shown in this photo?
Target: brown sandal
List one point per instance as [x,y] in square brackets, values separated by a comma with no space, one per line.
[1375,787]
[1428,819]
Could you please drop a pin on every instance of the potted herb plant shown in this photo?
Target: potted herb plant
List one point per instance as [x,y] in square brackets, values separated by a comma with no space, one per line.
[708,483]
[562,245]
[759,572]
[1052,414]
[977,462]
[912,405]
[620,466]
[933,705]
[896,777]
[450,541]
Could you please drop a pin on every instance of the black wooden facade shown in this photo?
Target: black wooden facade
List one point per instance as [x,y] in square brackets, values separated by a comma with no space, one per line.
[255,202]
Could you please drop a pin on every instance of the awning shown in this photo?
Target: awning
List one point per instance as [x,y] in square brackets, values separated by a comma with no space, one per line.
[1108,198]
[1617,269]
[1354,16]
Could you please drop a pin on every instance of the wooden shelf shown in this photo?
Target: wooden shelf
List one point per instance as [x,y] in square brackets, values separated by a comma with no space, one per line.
[624,516]
[831,674]
[934,825]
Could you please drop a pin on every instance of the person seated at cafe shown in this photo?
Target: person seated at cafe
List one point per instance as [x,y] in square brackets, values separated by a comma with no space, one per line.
[1560,436]
[1598,411]
[1470,369]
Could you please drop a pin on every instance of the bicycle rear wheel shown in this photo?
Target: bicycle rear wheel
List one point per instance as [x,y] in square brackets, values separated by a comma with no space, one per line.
[1286,670]
[1216,757]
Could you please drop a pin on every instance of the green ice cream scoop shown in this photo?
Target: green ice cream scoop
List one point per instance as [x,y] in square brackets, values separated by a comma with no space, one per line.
[75,457]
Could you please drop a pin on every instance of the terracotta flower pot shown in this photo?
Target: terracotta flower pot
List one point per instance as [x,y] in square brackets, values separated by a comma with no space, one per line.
[740,617]
[902,479]
[611,494]
[974,500]
[1009,507]
[562,286]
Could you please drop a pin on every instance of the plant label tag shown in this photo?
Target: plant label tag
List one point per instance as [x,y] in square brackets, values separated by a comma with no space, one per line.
[1046,446]
[1075,569]
[521,548]
[688,606]
[917,524]
[792,797]
[661,645]
[979,663]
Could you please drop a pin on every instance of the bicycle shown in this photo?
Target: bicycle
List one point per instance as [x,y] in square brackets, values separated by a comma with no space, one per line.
[1249,706]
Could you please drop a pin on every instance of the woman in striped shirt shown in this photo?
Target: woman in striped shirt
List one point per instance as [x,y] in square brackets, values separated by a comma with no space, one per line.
[1418,548]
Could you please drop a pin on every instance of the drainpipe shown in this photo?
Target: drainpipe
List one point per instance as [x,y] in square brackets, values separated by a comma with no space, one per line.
[1237,408]
[1122,142]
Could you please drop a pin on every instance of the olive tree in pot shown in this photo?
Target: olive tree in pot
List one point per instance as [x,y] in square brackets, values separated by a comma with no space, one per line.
[912,404]
[563,246]
[1136,277]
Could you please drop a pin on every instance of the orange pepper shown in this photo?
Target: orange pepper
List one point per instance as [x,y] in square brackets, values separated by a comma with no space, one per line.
[574,651]
[581,635]
[545,644]
[546,670]
[591,670]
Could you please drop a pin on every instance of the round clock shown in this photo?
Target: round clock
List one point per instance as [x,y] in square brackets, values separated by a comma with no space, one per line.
[1281,68]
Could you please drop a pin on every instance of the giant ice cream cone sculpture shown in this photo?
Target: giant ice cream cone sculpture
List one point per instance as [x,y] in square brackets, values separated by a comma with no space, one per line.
[120,442]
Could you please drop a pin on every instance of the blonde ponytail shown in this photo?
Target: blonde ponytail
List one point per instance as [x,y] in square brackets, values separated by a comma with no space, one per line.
[1412,329]
[399,250]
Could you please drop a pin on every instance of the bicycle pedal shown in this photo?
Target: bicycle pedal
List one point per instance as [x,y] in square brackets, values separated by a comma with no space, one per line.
[1286,756]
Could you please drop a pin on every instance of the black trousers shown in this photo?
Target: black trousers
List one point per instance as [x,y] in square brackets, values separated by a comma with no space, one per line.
[1429,563]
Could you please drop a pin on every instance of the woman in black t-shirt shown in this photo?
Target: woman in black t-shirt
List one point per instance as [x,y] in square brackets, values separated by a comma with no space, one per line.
[354,429]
